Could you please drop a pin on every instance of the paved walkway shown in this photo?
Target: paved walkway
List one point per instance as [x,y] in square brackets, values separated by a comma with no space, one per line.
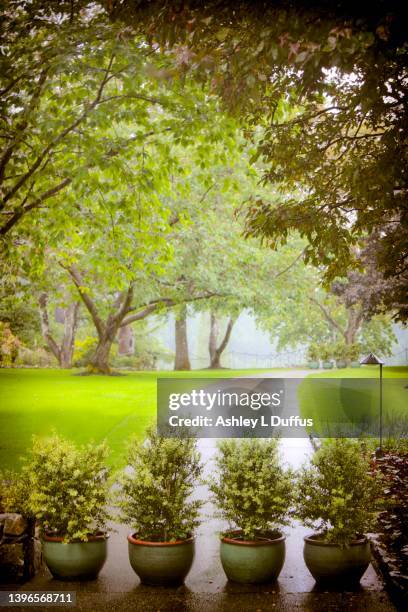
[206,589]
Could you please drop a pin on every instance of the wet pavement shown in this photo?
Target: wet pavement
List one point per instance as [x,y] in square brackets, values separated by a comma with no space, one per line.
[206,588]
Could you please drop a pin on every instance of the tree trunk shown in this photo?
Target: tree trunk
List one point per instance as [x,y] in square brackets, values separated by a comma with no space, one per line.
[126,341]
[355,318]
[214,350]
[99,363]
[182,360]
[68,341]
[123,313]
[63,352]
[212,342]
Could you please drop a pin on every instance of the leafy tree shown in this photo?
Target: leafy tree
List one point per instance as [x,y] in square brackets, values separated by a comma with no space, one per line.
[327,320]
[211,255]
[56,76]
[125,175]
[117,246]
[345,312]
[327,83]
[20,313]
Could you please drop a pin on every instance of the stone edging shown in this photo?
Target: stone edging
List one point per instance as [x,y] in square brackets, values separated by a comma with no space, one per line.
[397,583]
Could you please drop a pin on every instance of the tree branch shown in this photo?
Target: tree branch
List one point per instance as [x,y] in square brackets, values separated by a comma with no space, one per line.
[23,123]
[85,297]
[61,135]
[126,304]
[227,336]
[294,262]
[327,315]
[21,211]
[45,326]
[155,305]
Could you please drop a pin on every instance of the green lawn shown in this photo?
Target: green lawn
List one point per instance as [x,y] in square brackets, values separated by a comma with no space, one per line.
[34,401]
[353,401]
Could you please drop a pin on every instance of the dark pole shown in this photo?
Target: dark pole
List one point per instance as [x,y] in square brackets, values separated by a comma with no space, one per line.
[381,394]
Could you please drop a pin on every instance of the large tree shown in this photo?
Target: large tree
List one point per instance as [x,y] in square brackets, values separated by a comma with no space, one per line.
[212,256]
[327,83]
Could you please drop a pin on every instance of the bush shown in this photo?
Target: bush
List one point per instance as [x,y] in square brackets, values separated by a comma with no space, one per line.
[68,487]
[9,345]
[154,497]
[313,352]
[336,494]
[346,352]
[83,351]
[134,362]
[36,358]
[13,493]
[252,490]
[326,352]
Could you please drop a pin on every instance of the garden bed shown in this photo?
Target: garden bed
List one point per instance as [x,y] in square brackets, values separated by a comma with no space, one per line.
[390,544]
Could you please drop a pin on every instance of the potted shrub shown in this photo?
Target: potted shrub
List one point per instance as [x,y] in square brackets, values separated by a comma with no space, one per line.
[354,351]
[253,493]
[340,354]
[155,499]
[68,496]
[313,356]
[326,354]
[336,495]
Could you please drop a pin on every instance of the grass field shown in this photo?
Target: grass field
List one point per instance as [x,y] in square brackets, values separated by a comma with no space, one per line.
[346,399]
[34,401]
[82,408]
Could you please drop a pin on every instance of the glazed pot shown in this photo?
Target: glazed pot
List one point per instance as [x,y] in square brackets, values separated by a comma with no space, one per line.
[75,560]
[161,563]
[328,562]
[252,561]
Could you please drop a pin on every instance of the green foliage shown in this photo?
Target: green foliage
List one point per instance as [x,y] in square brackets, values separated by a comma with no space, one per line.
[83,351]
[68,487]
[326,350]
[13,493]
[314,352]
[18,311]
[155,496]
[377,336]
[346,352]
[251,489]
[326,83]
[35,358]
[336,494]
[9,345]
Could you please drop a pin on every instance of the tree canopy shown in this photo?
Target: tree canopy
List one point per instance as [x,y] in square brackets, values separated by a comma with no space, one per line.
[327,81]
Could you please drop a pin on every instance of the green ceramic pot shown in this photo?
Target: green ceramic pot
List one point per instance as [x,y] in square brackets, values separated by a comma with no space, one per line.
[75,560]
[313,365]
[331,563]
[254,561]
[161,563]
[327,365]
